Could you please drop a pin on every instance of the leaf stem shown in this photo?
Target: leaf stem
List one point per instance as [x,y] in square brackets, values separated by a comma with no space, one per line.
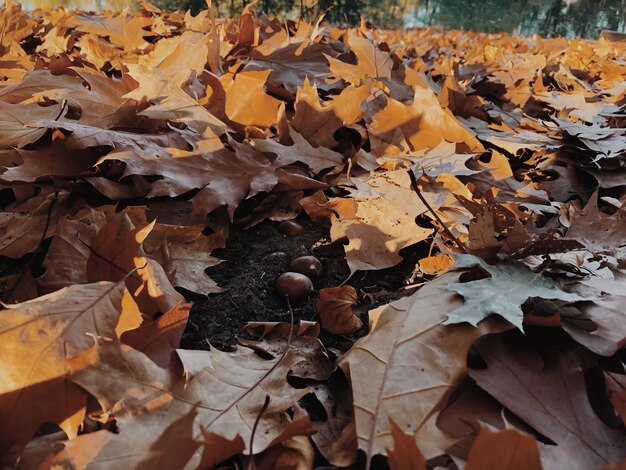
[432,211]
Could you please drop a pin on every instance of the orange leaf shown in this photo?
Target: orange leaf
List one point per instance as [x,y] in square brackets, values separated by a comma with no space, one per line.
[335,310]
[405,454]
[506,450]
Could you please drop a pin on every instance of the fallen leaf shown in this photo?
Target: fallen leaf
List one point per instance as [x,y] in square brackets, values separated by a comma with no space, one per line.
[247,103]
[408,366]
[371,61]
[507,449]
[334,308]
[169,101]
[116,255]
[38,338]
[157,339]
[551,399]
[296,453]
[221,403]
[600,235]
[273,339]
[379,221]
[405,453]
[14,131]
[317,159]
[509,285]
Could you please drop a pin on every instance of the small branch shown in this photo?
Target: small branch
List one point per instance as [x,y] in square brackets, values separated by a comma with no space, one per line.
[251,465]
[432,211]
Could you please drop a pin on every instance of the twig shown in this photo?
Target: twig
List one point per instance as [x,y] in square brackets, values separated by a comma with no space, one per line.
[251,465]
[432,211]
[291,328]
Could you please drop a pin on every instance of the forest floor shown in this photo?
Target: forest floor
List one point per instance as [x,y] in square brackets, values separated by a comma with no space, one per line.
[464,193]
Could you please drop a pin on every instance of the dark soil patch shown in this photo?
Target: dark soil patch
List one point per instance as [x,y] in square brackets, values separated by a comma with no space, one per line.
[254,258]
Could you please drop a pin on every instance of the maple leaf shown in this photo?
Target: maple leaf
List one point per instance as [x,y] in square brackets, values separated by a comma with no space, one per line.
[37,338]
[334,308]
[159,338]
[45,164]
[221,401]
[13,119]
[408,366]
[169,101]
[315,121]
[83,136]
[424,123]
[16,25]
[295,64]
[179,58]
[126,31]
[372,62]
[224,178]
[552,399]
[443,159]
[600,235]
[316,158]
[509,285]
[184,253]
[604,142]
[116,254]
[379,218]
[98,98]
[246,101]
[272,338]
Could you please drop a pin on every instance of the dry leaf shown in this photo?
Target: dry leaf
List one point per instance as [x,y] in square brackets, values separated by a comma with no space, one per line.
[159,338]
[246,101]
[405,453]
[216,406]
[296,453]
[334,308]
[409,361]
[37,338]
[317,159]
[508,449]
[552,399]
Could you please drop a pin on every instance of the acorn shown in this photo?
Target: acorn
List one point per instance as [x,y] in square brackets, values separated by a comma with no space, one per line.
[290,228]
[297,286]
[310,266]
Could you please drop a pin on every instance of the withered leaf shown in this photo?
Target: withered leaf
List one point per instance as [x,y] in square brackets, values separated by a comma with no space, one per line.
[411,361]
[507,449]
[405,453]
[510,284]
[552,399]
[14,131]
[317,159]
[221,401]
[38,337]
[334,308]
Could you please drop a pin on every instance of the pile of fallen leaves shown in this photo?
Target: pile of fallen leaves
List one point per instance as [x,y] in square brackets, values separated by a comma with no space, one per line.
[128,145]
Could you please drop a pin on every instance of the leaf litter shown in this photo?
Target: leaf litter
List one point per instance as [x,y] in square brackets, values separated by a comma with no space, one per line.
[464,193]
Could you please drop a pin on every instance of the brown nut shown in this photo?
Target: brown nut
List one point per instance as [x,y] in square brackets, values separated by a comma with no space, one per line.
[297,286]
[290,228]
[310,266]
